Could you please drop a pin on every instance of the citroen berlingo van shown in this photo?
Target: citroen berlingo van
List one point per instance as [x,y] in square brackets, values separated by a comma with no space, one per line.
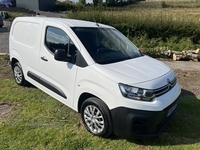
[95,70]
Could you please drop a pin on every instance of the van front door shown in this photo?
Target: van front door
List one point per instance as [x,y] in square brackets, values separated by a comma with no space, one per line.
[58,77]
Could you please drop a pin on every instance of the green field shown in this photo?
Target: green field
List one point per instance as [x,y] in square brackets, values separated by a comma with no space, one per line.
[36,121]
[150,25]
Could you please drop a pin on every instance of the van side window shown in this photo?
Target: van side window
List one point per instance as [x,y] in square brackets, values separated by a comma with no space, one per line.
[57,39]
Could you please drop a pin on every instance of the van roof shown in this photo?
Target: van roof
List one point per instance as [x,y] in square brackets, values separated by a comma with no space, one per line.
[64,21]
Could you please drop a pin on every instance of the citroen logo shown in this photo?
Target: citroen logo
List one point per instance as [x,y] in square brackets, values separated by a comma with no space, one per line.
[169,84]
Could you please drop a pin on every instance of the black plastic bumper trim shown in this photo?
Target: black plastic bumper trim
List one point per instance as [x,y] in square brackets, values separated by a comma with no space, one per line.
[132,123]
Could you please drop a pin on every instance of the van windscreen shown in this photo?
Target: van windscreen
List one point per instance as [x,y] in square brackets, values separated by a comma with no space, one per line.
[106,45]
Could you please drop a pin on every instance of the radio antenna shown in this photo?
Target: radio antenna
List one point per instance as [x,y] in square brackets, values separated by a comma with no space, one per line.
[95,20]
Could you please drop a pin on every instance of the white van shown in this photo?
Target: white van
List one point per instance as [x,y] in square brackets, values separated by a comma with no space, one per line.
[97,71]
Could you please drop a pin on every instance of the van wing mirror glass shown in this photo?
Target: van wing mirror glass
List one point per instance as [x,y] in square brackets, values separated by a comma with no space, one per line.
[61,55]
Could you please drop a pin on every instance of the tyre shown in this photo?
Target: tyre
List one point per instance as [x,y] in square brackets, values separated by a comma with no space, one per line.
[96,117]
[18,74]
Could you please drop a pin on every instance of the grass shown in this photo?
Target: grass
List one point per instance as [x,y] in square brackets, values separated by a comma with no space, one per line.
[13,15]
[37,121]
[149,25]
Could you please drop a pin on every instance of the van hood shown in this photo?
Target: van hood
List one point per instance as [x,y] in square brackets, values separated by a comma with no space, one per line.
[133,71]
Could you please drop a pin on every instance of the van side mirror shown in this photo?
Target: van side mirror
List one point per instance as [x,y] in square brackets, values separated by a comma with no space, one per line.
[61,55]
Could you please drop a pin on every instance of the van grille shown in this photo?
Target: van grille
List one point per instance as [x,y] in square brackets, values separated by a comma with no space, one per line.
[162,90]
[140,126]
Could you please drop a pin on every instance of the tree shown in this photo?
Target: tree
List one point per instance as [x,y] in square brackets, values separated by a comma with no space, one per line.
[97,2]
[82,1]
[112,2]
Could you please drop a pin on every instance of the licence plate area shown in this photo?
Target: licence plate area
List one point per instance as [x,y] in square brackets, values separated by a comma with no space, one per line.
[171,110]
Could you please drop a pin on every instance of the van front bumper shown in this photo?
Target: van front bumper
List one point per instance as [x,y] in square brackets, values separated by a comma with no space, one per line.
[132,123]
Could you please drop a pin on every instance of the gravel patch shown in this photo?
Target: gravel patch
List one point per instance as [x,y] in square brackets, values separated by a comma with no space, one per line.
[4,40]
[183,65]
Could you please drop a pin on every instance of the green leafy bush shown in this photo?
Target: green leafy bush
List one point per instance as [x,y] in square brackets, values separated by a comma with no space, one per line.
[65,5]
[163,4]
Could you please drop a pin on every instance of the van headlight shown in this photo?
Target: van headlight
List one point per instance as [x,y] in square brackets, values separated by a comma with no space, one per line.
[136,93]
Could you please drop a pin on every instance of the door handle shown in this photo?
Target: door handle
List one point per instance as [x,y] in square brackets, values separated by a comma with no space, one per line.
[44,58]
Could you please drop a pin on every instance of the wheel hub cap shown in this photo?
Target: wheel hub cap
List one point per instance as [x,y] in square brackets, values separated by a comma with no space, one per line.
[18,74]
[94,119]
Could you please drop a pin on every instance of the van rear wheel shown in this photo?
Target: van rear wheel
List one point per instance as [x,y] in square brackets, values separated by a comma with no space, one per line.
[18,74]
[96,117]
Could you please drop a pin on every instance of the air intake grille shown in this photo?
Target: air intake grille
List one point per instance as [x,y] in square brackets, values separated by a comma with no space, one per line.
[162,90]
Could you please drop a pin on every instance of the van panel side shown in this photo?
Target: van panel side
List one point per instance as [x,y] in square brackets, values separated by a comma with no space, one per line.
[26,33]
[24,44]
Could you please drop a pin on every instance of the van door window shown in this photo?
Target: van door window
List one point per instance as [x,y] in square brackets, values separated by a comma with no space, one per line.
[57,39]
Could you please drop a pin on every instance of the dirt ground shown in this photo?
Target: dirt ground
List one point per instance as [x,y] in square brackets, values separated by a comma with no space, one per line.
[187,73]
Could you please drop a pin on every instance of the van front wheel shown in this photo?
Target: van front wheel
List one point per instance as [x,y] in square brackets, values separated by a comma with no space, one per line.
[96,117]
[18,74]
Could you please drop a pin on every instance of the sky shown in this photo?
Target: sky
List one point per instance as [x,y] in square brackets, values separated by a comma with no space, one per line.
[87,1]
